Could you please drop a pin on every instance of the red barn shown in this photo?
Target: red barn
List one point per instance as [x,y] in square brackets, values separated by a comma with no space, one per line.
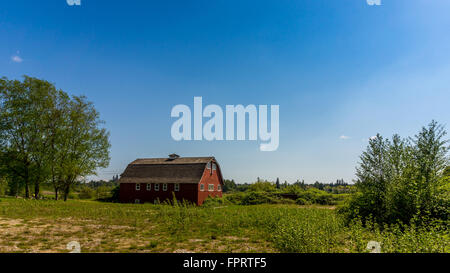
[189,178]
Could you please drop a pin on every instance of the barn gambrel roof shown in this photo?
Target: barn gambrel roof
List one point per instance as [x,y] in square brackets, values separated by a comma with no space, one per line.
[166,170]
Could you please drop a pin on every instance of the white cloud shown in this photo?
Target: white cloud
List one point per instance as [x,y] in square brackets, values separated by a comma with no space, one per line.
[344,137]
[16,59]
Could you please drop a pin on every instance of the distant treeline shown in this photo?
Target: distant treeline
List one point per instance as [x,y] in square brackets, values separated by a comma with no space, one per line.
[100,183]
[338,187]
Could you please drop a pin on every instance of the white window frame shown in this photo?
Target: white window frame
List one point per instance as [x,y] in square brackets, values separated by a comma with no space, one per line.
[214,166]
[208,166]
[202,187]
[165,187]
[219,187]
[156,187]
[138,186]
[149,186]
[176,187]
[209,187]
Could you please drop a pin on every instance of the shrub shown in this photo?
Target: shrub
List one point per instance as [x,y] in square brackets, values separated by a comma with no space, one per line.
[302,201]
[316,196]
[86,193]
[115,194]
[235,198]
[401,179]
[214,202]
[263,186]
[103,193]
[254,198]
[312,231]
[285,201]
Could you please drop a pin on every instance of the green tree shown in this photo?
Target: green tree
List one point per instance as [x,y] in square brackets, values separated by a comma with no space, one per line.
[23,130]
[400,187]
[229,185]
[430,157]
[47,136]
[263,186]
[401,179]
[372,178]
[446,172]
[85,145]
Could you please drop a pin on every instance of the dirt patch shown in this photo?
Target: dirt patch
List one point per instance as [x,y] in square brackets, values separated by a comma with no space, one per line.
[46,235]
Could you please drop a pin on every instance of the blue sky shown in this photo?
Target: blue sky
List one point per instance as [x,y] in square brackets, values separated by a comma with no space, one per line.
[336,68]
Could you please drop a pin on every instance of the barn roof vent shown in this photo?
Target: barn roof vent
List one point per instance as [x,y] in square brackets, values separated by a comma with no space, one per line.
[173,156]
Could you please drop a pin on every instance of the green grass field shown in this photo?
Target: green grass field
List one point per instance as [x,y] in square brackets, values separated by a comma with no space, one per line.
[48,225]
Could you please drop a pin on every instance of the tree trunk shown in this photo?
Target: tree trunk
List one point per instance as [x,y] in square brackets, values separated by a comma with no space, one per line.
[27,190]
[56,193]
[66,193]
[27,177]
[36,190]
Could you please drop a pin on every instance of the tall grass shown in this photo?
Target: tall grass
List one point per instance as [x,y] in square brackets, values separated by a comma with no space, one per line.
[286,228]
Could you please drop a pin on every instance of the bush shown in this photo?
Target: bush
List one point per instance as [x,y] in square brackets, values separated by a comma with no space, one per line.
[316,196]
[255,198]
[401,179]
[263,187]
[86,193]
[234,198]
[304,197]
[214,202]
[115,192]
[302,201]
[313,231]
[285,201]
[400,238]
[103,193]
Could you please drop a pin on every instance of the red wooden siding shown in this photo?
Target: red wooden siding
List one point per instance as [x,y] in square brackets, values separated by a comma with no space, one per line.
[128,193]
[209,178]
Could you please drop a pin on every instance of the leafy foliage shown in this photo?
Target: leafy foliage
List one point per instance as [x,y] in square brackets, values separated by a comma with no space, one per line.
[400,179]
[46,136]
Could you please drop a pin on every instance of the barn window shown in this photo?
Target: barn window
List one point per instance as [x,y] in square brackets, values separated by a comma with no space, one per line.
[214,167]
[208,166]
[202,187]
[137,201]
[210,187]
[138,186]
[164,187]
[149,186]
[156,187]
[219,188]
[177,187]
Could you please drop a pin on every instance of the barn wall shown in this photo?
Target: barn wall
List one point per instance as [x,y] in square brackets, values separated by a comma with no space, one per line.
[209,178]
[128,193]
